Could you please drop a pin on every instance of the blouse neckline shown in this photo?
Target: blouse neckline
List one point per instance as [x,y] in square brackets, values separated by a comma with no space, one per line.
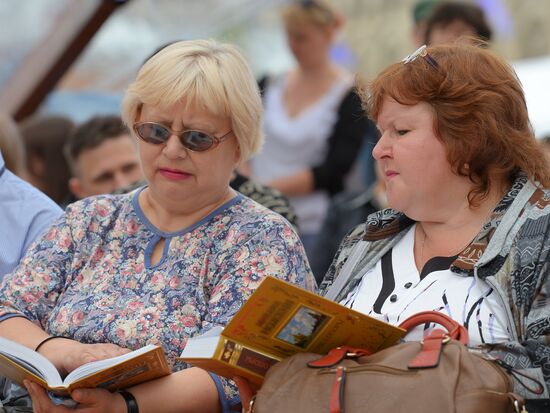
[335,89]
[143,218]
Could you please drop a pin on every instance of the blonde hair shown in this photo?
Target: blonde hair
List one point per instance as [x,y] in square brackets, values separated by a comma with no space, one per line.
[317,12]
[211,75]
[12,146]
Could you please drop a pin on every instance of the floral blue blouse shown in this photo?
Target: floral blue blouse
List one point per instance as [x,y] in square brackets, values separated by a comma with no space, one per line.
[90,276]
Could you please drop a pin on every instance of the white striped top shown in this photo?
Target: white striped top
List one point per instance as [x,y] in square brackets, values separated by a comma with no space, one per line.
[393,290]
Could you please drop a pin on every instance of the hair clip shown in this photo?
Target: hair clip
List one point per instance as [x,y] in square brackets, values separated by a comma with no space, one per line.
[423,52]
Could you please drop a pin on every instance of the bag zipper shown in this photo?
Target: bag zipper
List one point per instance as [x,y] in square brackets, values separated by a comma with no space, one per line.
[368,367]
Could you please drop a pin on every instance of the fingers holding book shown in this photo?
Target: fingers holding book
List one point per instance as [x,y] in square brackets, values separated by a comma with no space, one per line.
[67,354]
[41,402]
[94,400]
[247,391]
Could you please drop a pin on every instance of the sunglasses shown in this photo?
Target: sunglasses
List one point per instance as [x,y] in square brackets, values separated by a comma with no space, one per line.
[423,52]
[194,140]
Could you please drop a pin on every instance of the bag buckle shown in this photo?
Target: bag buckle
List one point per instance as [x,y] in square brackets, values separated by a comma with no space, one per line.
[445,340]
[430,353]
[336,355]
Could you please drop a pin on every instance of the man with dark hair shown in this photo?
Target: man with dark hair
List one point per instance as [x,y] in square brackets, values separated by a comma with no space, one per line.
[47,169]
[103,157]
[451,20]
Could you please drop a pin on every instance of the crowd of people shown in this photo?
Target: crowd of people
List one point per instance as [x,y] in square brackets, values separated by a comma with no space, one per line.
[156,224]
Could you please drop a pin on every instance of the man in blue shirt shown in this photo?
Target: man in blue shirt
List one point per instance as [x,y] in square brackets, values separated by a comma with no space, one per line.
[25,213]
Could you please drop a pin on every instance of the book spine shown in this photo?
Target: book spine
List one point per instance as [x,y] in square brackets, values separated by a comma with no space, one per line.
[246,358]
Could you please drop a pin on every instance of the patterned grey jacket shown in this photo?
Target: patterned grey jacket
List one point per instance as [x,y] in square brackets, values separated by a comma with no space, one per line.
[511,253]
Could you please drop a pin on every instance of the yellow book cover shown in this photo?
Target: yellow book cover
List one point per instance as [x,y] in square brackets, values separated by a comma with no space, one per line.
[18,363]
[279,320]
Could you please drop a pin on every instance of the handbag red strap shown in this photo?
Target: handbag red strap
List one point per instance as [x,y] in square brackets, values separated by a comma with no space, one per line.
[432,344]
[336,355]
[456,331]
[338,391]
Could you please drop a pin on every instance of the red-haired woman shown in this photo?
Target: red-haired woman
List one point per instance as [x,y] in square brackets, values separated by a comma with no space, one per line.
[468,232]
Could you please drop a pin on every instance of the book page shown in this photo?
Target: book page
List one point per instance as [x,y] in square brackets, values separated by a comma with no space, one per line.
[204,345]
[144,364]
[19,362]
[95,366]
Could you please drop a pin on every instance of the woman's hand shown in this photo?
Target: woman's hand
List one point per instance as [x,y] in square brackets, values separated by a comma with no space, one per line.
[246,391]
[299,183]
[89,401]
[67,355]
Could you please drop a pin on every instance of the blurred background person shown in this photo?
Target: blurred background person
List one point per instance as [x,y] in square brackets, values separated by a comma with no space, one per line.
[12,147]
[44,138]
[421,12]
[346,211]
[451,21]
[26,213]
[103,157]
[265,195]
[314,123]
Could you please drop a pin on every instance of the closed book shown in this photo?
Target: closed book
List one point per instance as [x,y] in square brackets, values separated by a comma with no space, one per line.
[279,320]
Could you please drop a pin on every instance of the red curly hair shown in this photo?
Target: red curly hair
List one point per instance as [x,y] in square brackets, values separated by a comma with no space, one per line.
[480,113]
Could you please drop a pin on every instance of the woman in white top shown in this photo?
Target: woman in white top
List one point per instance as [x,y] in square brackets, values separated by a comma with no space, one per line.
[314,123]
[467,233]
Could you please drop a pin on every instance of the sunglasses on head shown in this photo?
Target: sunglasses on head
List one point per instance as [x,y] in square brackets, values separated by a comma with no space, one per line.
[194,140]
[422,52]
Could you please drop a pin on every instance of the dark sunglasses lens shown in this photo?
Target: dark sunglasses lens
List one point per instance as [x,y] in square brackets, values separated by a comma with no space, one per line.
[153,133]
[197,141]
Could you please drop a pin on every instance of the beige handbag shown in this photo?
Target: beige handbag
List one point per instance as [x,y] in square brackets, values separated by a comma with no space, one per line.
[436,375]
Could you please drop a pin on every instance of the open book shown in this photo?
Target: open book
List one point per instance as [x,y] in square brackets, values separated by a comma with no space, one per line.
[18,363]
[278,320]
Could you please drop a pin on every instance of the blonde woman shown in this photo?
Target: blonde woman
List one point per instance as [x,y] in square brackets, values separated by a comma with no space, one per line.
[314,123]
[169,260]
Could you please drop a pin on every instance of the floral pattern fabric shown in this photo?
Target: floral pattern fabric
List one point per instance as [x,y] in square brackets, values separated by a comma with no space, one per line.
[90,276]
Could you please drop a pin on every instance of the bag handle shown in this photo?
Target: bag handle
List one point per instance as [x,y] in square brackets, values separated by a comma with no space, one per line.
[455,330]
